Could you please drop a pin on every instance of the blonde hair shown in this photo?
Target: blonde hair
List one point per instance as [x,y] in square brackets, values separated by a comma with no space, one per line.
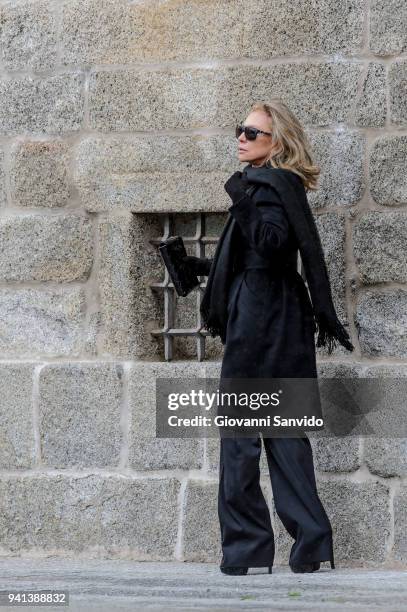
[291,148]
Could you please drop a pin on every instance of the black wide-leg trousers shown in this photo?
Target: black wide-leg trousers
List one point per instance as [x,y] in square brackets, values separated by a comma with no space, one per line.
[246,531]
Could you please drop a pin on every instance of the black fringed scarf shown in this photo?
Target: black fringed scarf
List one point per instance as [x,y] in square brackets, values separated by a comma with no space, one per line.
[293,195]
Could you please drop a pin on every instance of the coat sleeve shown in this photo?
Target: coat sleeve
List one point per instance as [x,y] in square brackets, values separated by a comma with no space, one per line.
[264,223]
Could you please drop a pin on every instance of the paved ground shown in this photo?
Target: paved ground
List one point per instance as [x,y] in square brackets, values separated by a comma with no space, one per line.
[106,586]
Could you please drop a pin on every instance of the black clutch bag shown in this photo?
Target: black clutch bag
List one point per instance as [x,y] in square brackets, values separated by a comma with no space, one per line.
[172,251]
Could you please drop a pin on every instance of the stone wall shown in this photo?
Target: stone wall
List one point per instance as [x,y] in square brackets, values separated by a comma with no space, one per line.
[112,112]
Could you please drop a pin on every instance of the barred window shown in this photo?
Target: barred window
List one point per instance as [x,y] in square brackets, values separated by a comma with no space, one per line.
[183,333]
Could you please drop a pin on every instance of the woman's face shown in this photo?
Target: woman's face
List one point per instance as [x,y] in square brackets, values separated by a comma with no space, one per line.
[255,151]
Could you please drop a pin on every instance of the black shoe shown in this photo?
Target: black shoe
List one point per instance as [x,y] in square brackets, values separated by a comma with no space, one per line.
[234,571]
[304,568]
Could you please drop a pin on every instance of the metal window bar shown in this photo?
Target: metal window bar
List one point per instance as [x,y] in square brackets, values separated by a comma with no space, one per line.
[169,331]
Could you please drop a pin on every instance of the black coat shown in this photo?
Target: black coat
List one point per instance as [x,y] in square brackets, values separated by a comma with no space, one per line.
[270,326]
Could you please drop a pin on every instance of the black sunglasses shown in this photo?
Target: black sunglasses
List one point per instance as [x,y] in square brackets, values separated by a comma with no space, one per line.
[249,132]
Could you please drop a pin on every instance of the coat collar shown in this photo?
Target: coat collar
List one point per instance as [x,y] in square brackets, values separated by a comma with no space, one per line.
[264,174]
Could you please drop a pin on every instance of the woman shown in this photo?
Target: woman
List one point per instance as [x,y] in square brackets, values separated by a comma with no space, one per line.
[257,302]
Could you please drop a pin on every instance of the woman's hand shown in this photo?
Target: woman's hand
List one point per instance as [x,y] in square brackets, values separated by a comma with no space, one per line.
[236,186]
[190,261]
[198,265]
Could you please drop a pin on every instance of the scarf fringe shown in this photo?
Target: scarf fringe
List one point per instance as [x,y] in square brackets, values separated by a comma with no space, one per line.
[212,328]
[214,331]
[329,334]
